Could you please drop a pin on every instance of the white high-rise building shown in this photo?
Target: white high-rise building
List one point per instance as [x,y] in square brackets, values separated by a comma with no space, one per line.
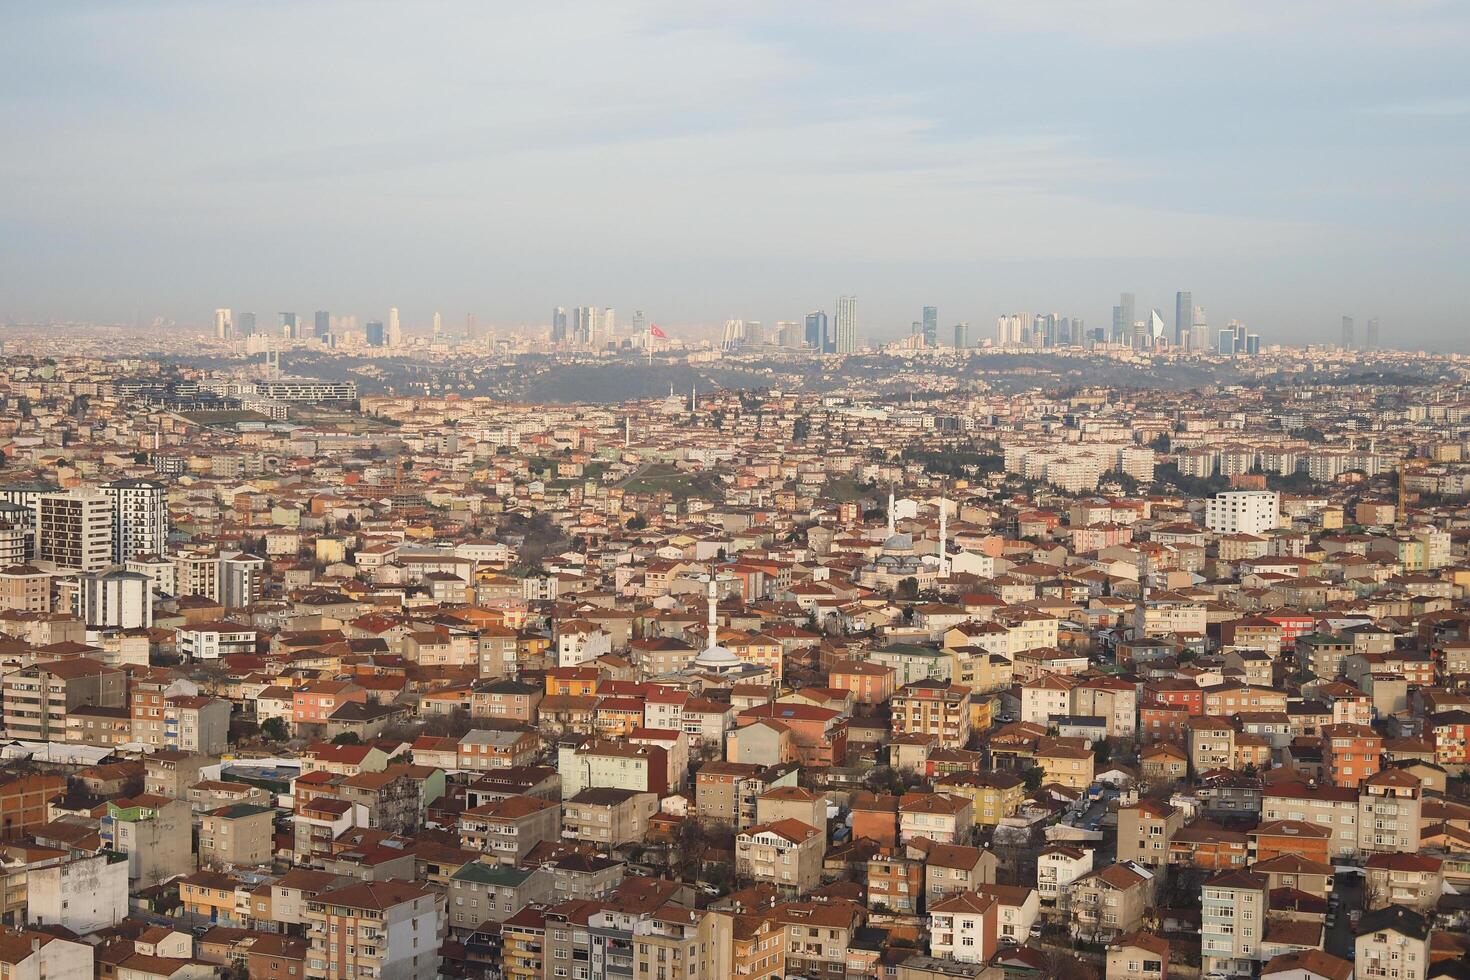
[438,323]
[395,329]
[224,324]
[116,600]
[846,324]
[1243,512]
[74,529]
[139,518]
[609,323]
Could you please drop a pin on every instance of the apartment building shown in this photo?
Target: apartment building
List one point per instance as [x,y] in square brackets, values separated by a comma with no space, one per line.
[965,927]
[38,698]
[74,529]
[1389,811]
[509,828]
[239,834]
[608,816]
[387,929]
[818,936]
[932,707]
[1145,830]
[1233,907]
[1392,942]
[1110,901]
[786,854]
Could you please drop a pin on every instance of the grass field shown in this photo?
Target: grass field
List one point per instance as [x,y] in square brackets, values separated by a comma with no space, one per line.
[662,478]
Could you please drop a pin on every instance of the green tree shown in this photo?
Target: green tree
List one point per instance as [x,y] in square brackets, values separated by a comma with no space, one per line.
[274,729]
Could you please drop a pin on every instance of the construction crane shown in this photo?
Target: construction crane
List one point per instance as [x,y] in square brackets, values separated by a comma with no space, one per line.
[1405,467]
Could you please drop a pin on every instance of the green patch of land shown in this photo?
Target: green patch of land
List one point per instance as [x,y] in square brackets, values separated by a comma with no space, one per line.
[663,478]
[844,490]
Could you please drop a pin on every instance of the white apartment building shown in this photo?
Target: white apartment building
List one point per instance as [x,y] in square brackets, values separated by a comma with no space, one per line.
[116,600]
[139,518]
[1243,512]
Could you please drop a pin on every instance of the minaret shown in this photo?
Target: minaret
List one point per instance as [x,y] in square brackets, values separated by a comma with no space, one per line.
[627,431]
[943,537]
[693,399]
[892,528]
[712,602]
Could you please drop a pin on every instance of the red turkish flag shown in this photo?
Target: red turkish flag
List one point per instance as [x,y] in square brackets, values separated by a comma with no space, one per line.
[653,329]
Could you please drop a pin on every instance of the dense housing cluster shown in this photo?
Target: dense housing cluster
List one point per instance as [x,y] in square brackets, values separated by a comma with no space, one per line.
[953,682]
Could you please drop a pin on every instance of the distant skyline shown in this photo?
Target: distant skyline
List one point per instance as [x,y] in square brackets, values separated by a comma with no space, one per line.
[1287,165]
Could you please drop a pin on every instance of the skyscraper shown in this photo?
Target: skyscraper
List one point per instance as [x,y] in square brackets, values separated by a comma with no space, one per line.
[816,330]
[471,325]
[733,337]
[609,325]
[961,335]
[322,324]
[585,325]
[931,326]
[559,325]
[1155,329]
[846,326]
[1199,334]
[438,327]
[247,324]
[1348,340]
[395,329]
[640,323]
[1123,319]
[1371,340]
[290,326]
[1183,317]
[1045,330]
[376,336]
[224,324]
[1227,342]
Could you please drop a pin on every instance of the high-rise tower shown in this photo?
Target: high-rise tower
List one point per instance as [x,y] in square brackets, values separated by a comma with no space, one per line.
[846,324]
[931,326]
[1183,317]
[816,330]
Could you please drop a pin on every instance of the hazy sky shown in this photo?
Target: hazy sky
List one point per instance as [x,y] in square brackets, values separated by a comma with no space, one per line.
[1288,162]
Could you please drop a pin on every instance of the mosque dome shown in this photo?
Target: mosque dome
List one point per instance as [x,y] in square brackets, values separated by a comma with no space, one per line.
[716,657]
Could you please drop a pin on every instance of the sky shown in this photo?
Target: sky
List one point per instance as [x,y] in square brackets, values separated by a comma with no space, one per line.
[1286,162]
